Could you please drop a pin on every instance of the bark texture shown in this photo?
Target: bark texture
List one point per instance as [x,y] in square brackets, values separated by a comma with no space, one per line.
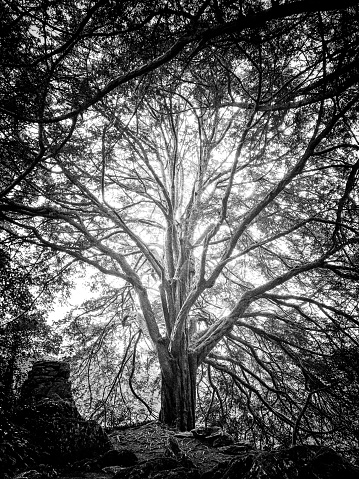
[178,393]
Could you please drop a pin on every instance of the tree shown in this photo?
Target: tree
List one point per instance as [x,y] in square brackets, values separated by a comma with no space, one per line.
[24,333]
[214,176]
[114,374]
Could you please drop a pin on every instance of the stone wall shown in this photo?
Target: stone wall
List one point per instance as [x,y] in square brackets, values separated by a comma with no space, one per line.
[47,380]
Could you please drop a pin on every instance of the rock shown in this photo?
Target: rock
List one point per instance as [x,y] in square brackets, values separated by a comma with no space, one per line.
[48,411]
[47,379]
[299,462]
[115,457]
[239,468]
[328,464]
[58,429]
[202,432]
[172,447]
[174,450]
[218,472]
[237,448]
[213,435]
[220,440]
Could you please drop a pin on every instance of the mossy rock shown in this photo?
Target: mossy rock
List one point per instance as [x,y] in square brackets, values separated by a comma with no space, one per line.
[58,429]
[299,462]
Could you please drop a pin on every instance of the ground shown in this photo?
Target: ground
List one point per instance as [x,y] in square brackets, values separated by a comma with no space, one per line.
[152,440]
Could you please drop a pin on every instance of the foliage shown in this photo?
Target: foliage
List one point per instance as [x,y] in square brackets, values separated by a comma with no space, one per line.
[24,333]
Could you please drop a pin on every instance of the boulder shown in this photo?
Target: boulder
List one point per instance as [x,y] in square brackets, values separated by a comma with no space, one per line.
[202,432]
[47,379]
[299,462]
[48,411]
[214,436]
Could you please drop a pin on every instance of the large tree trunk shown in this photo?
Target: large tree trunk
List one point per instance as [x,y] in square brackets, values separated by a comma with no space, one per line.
[178,394]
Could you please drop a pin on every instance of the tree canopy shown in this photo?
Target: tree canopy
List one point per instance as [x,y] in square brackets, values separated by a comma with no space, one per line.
[203,157]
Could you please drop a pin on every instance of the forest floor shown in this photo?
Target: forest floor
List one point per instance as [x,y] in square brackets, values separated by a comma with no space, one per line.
[151,441]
